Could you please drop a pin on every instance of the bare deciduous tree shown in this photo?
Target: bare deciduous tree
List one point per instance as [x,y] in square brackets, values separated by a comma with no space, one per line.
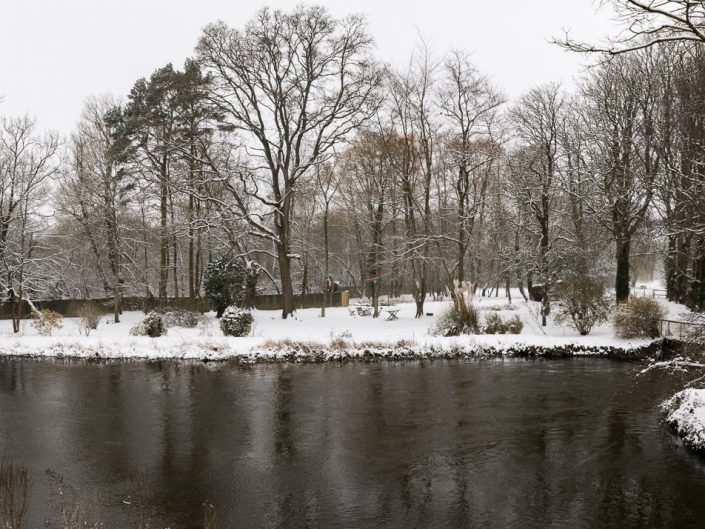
[648,23]
[538,120]
[294,85]
[470,104]
[96,188]
[28,161]
[621,113]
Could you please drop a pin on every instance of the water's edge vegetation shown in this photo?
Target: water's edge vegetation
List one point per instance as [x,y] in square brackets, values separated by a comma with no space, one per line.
[340,350]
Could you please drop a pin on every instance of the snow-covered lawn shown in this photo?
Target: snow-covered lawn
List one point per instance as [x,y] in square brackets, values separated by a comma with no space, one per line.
[273,337]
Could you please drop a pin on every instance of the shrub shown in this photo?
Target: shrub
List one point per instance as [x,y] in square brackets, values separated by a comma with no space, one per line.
[205,327]
[494,324]
[694,334]
[638,317]
[514,325]
[46,321]
[89,315]
[224,283]
[236,322]
[152,326]
[582,304]
[461,318]
[181,318]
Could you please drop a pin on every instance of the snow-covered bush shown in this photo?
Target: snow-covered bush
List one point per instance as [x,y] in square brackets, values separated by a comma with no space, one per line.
[224,283]
[46,321]
[694,334]
[514,325]
[89,315]
[138,330]
[152,326]
[582,304]
[461,317]
[686,414]
[181,318]
[638,318]
[236,322]
[494,324]
[205,327]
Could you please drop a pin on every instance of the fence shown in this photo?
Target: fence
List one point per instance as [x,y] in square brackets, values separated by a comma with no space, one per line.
[643,292]
[683,330]
[307,301]
[73,307]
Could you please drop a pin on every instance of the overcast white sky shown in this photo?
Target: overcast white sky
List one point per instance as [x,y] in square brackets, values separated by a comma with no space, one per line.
[55,53]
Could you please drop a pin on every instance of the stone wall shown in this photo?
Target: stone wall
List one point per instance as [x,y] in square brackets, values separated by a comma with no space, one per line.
[72,307]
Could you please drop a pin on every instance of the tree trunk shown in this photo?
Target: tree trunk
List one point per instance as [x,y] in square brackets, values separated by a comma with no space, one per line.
[522,291]
[164,243]
[145,274]
[284,260]
[16,312]
[198,266]
[327,263]
[112,229]
[419,306]
[304,284]
[696,294]
[174,266]
[545,309]
[671,269]
[622,284]
[250,286]
[461,256]
[116,304]
[676,266]
[191,245]
[191,265]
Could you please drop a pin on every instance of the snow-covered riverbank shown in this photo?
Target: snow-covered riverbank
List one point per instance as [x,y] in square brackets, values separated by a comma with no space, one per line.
[685,412]
[308,337]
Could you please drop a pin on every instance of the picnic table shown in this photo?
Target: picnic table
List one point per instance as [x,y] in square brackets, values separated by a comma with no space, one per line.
[364,310]
[392,312]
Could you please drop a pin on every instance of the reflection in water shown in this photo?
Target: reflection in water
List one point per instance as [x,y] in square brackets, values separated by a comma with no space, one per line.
[566,443]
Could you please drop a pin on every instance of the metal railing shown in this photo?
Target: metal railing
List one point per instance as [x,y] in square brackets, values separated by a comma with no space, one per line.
[643,292]
[683,330]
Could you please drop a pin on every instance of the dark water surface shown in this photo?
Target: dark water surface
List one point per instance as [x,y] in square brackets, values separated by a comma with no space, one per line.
[488,444]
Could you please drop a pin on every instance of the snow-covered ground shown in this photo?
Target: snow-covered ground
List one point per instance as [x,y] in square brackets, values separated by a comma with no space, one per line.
[306,335]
